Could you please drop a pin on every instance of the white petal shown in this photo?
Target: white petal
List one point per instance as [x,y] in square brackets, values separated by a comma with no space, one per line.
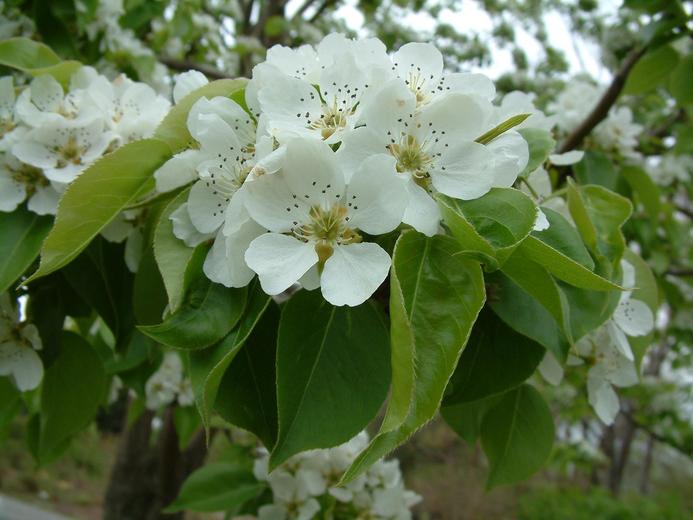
[23,363]
[419,59]
[353,273]
[46,93]
[44,201]
[290,104]
[422,212]
[215,136]
[455,117]
[377,196]
[271,203]
[564,159]
[12,193]
[469,83]
[511,154]
[187,82]
[225,262]
[312,172]
[634,317]
[357,146]
[550,369]
[461,171]
[628,279]
[206,207]
[230,112]
[178,171]
[183,228]
[603,398]
[6,97]
[389,109]
[34,153]
[311,280]
[619,339]
[541,222]
[272,512]
[279,260]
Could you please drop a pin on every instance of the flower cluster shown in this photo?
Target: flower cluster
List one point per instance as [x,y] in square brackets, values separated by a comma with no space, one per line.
[168,384]
[306,484]
[608,352]
[19,342]
[48,135]
[618,133]
[345,143]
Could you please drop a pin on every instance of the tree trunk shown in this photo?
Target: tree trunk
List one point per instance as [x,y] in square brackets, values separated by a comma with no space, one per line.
[149,470]
[621,455]
[647,466]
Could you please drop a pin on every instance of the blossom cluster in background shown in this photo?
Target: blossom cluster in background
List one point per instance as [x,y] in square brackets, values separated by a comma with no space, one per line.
[305,487]
[49,135]
[19,342]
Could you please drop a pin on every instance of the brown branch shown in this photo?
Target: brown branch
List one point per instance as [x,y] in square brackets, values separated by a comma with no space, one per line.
[321,9]
[607,100]
[184,66]
[680,272]
[303,8]
[686,211]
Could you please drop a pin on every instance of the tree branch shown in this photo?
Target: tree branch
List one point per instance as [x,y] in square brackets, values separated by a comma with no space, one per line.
[306,4]
[184,66]
[607,100]
[321,9]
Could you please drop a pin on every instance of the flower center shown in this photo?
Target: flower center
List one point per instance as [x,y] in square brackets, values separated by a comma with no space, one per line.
[327,228]
[416,83]
[32,178]
[6,126]
[412,158]
[70,152]
[332,119]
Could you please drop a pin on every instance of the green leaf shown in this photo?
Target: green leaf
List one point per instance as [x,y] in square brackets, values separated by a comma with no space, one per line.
[492,226]
[596,168]
[247,395]
[465,418]
[652,70]
[588,309]
[517,436]
[646,190]
[499,130]
[435,297]
[172,255]
[216,487]
[10,403]
[208,313]
[681,80]
[519,308]
[101,278]
[73,386]
[540,144]
[187,423]
[495,360]
[564,267]
[207,366]
[21,235]
[96,197]
[36,59]
[563,237]
[606,212]
[174,128]
[148,293]
[332,373]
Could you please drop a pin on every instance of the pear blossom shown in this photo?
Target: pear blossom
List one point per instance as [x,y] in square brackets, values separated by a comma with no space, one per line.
[186,83]
[19,342]
[168,384]
[20,181]
[301,484]
[517,102]
[420,66]
[672,168]
[316,217]
[63,151]
[435,148]
[10,125]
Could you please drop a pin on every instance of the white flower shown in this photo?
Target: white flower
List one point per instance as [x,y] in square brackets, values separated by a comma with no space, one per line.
[20,181]
[420,66]
[45,102]
[10,129]
[567,158]
[435,148]
[63,151]
[163,385]
[618,132]
[18,345]
[673,168]
[315,220]
[132,110]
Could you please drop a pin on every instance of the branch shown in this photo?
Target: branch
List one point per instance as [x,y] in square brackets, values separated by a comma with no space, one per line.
[680,272]
[303,8]
[607,100]
[686,211]
[184,66]
[321,9]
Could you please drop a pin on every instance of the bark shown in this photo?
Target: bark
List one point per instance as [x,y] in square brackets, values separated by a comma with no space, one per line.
[621,455]
[149,470]
[647,467]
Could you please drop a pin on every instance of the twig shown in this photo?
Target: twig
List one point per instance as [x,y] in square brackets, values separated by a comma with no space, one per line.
[321,9]
[679,272]
[686,211]
[183,66]
[607,100]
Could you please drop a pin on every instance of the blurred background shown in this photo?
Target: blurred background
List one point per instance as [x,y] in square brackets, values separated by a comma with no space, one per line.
[641,467]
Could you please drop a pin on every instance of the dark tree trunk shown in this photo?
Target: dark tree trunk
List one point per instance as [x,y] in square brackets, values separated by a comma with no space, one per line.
[621,455]
[647,466]
[149,470]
